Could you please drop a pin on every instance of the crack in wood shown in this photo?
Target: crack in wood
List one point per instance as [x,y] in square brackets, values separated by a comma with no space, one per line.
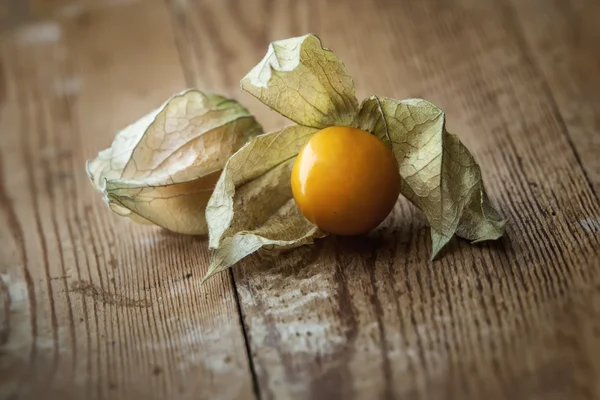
[107,298]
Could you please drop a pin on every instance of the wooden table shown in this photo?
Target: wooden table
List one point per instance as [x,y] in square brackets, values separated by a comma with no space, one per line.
[93,306]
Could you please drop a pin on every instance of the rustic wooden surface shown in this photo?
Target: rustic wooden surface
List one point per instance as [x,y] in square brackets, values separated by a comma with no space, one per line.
[92,306]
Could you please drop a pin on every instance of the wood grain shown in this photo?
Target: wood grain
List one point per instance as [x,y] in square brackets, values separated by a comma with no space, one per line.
[563,37]
[92,306]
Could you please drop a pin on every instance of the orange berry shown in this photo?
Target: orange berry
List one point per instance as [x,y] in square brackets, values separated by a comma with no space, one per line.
[345,180]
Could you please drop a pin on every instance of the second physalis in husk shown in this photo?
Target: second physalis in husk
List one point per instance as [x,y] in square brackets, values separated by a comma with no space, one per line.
[354,160]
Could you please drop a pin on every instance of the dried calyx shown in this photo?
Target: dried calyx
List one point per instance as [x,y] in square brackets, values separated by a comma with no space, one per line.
[163,168]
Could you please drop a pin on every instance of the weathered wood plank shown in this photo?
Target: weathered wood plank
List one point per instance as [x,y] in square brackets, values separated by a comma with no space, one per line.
[564,38]
[92,306]
[372,317]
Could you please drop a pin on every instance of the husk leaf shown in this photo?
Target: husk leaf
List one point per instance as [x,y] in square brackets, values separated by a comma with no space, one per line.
[162,169]
[304,82]
[252,205]
[439,174]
